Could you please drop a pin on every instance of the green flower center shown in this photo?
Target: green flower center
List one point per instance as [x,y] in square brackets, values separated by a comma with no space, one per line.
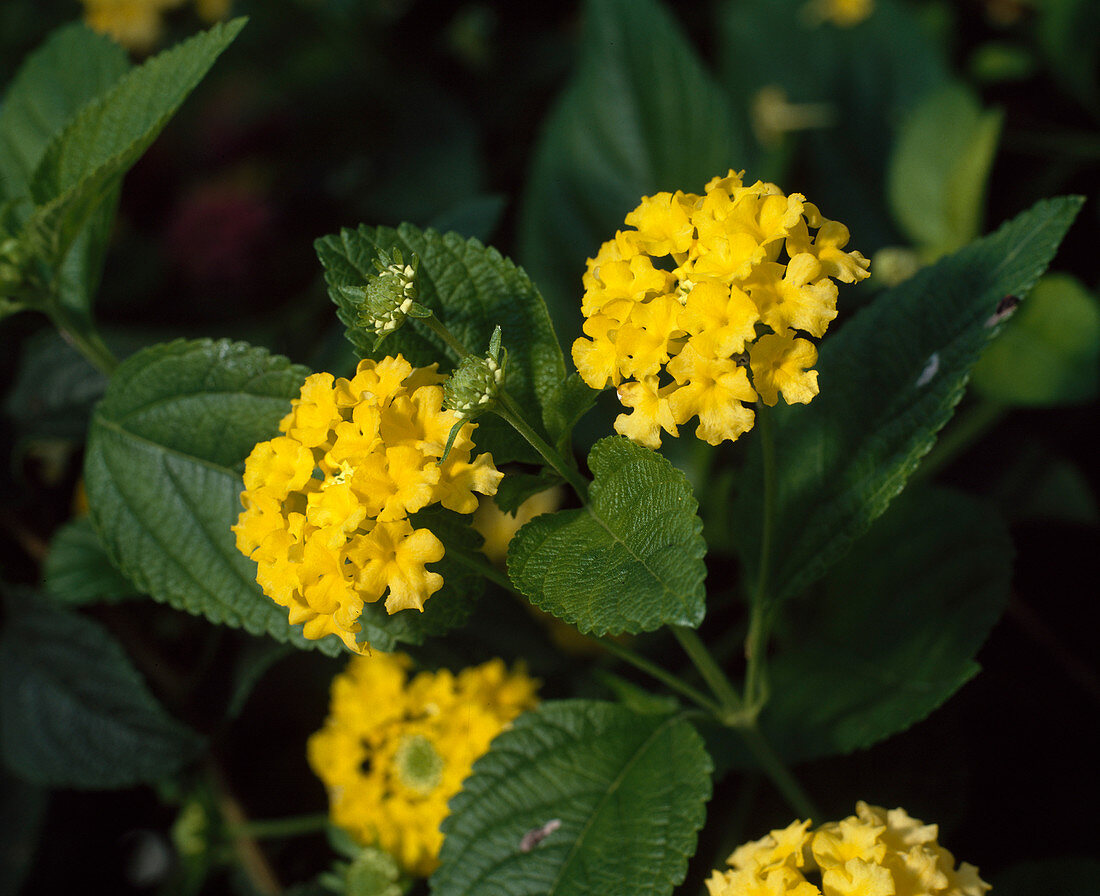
[419,766]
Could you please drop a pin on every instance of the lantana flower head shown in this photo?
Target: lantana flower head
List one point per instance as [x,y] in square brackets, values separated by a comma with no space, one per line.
[708,304]
[327,505]
[138,24]
[394,748]
[876,852]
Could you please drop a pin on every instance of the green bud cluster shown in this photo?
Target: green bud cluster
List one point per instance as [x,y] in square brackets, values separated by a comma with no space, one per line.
[391,296]
[474,385]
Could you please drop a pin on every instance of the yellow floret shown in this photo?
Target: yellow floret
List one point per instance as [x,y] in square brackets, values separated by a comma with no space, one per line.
[676,306]
[327,505]
[394,750]
[872,853]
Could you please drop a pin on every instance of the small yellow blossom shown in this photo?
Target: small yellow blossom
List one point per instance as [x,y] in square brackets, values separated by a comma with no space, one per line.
[327,504]
[395,749]
[843,13]
[876,852]
[138,24]
[696,313]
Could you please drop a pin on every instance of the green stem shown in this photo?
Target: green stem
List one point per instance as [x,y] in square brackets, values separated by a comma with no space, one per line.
[730,703]
[757,638]
[662,675]
[773,766]
[90,345]
[508,409]
[434,324]
[266,828]
[969,426]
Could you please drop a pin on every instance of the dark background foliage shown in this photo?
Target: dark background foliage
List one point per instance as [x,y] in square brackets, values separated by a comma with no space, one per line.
[333,113]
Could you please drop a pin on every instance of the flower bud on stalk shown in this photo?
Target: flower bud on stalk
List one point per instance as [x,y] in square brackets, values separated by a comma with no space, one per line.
[390,297]
[474,386]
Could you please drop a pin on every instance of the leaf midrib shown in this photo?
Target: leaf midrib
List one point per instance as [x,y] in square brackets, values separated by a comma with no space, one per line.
[598,808]
[665,589]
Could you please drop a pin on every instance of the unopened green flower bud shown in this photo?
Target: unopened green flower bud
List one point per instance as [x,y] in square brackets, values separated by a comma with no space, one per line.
[373,873]
[391,296]
[474,386]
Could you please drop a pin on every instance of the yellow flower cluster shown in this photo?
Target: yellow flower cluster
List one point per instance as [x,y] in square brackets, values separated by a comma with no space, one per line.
[876,852]
[393,751]
[680,308]
[327,504]
[845,13]
[137,24]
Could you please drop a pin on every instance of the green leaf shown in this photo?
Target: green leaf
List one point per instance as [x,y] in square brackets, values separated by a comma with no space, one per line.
[73,67]
[890,380]
[618,795]
[163,468]
[640,115]
[78,570]
[572,400]
[163,471]
[631,561]
[75,712]
[895,629]
[54,390]
[939,169]
[472,289]
[515,488]
[1067,35]
[858,83]
[82,165]
[1049,352]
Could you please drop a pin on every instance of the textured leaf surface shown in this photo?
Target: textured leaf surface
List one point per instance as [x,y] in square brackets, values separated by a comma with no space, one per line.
[74,66]
[890,380]
[1049,352]
[628,791]
[631,561]
[75,713]
[895,630]
[78,570]
[472,288]
[639,116]
[71,69]
[939,168]
[163,469]
[81,166]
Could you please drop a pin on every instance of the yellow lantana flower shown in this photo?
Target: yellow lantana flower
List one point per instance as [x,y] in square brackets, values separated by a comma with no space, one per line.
[876,852]
[395,749]
[137,24]
[844,13]
[705,306]
[327,504]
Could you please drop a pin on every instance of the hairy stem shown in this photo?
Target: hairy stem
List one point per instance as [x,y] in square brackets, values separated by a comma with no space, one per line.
[511,412]
[757,638]
[662,675]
